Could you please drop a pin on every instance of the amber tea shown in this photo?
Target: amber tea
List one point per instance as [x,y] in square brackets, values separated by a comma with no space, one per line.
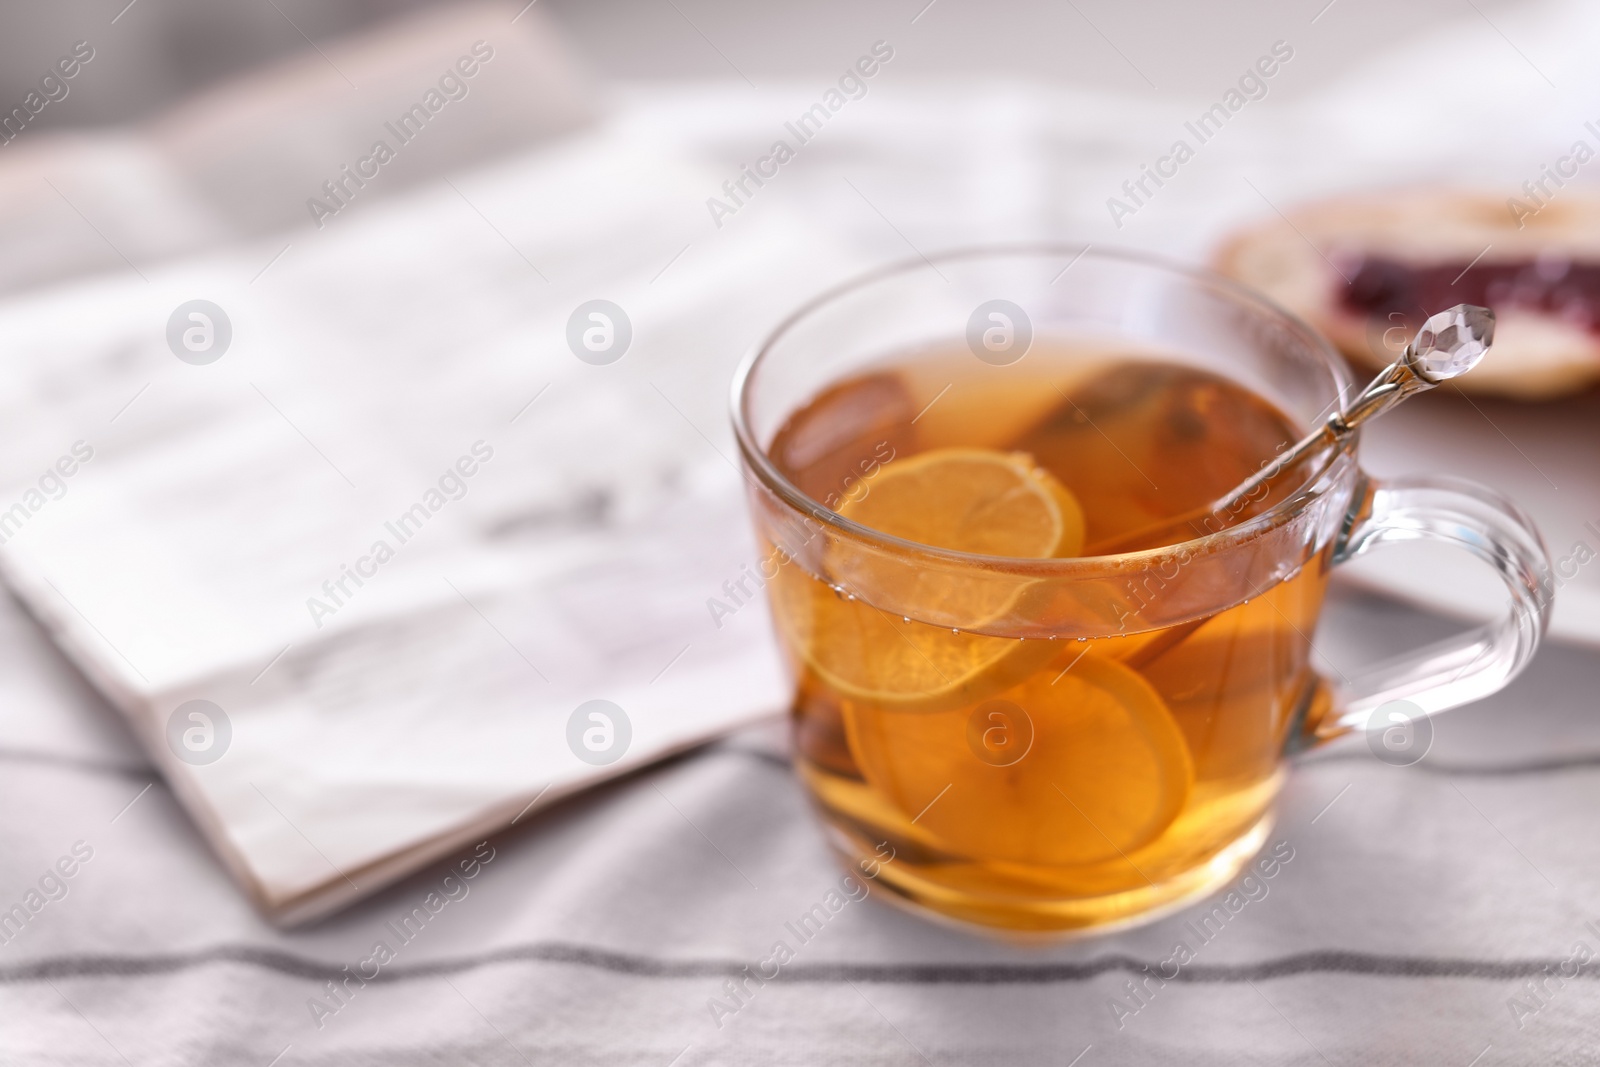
[1036,782]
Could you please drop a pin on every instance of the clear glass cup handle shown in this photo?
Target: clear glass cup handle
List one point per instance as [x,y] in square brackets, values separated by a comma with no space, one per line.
[1474,664]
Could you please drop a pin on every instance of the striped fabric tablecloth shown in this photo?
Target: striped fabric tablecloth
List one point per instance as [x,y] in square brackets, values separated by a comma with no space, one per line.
[1424,914]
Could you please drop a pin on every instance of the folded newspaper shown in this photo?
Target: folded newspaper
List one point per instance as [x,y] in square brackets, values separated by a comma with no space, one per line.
[384,541]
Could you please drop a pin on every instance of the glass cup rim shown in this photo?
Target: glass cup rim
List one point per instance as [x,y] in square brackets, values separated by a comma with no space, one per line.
[774,480]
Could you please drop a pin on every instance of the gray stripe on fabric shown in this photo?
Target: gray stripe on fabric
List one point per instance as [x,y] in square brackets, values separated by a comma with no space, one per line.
[1551,765]
[641,966]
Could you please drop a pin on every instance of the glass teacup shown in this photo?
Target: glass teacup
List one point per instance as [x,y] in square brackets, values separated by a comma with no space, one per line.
[999,720]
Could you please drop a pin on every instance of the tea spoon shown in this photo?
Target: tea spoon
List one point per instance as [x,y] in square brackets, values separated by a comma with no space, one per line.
[1448,345]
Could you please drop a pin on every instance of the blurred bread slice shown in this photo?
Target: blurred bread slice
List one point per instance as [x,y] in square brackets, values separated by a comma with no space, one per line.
[1302,261]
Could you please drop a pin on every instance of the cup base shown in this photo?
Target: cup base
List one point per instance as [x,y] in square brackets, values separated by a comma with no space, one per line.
[1064,919]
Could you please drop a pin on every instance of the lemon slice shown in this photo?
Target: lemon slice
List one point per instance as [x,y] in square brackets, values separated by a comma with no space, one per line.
[1065,769]
[870,657]
[967,499]
[973,500]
